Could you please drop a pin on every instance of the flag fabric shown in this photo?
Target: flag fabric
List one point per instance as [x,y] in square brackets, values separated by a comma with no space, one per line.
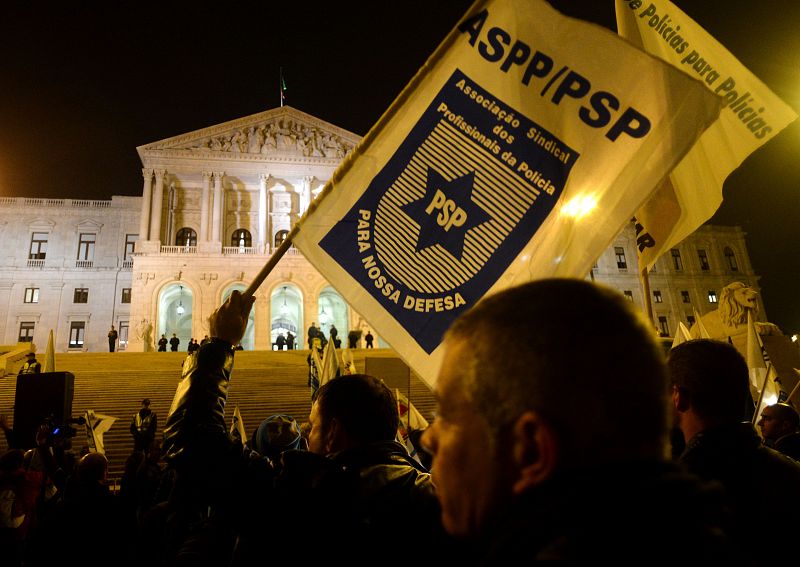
[314,370]
[699,330]
[96,425]
[410,419]
[282,88]
[763,375]
[752,115]
[348,365]
[331,367]
[681,335]
[518,151]
[237,430]
[50,355]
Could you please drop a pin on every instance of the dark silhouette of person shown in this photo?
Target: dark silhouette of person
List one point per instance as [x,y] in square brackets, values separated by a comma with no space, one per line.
[368,338]
[112,339]
[143,426]
[289,341]
[780,428]
[162,343]
[280,342]
[174,342]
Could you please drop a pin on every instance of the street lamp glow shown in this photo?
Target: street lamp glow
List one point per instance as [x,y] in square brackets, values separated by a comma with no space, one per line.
[580,206]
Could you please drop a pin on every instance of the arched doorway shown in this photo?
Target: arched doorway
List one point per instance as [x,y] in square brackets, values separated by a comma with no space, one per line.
[248,340]
[332,310]
[286,309]
[175,314]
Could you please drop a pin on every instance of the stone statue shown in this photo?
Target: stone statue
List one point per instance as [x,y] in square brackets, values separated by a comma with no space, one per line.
[729,321]
[146,334]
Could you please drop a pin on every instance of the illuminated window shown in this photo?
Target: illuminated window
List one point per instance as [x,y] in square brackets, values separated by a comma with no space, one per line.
[619,252]
[628,294]
[86,242]
[712,296]
[38,249]
[77,330]
[186,237]
[126,295]
[657,296]
[241,238]
[31,295]
[280,236]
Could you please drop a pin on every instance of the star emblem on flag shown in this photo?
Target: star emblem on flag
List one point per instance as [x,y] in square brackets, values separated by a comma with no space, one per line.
[446,212]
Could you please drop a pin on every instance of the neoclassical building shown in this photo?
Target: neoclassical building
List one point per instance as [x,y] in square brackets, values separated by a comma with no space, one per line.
[215,203]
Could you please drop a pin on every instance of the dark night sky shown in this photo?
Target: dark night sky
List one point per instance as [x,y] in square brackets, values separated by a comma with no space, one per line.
[83,84]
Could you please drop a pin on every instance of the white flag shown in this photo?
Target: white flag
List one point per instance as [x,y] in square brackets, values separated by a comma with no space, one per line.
[410,419]
[96,425]
[698,330]
[762,371]
[50,355]
[752,116]
[330,363]
[237,426]
[518,152]
[681,335]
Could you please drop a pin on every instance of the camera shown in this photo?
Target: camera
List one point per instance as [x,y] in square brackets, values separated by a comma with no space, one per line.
[60,432]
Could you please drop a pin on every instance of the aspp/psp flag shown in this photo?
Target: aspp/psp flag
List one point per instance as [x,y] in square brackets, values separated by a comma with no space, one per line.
[752,115]
[518,151]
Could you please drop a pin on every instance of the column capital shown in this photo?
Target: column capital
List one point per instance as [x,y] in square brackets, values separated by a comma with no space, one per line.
[219,174]
[147,173]
[309,179]
[264,177]
[160,173]
[207,175]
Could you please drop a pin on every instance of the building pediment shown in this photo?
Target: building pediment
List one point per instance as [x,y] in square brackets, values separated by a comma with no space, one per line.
[280,133]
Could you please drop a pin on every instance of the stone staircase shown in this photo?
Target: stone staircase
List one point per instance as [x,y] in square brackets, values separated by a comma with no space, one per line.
[263,383]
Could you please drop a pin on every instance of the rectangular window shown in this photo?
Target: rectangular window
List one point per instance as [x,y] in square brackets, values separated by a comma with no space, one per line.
[126,295]
[130,245]
[628,294]
[685,297]
[77,330]
[81,295]
[31,295]
[619,252]
[663,326]
[657,296]
[123,335]
[677,263]
[712,296]
[703,260]
[26,331]
[86,246]
[38,249]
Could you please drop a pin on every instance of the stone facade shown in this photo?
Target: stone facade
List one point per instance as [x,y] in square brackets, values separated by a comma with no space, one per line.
[215,204]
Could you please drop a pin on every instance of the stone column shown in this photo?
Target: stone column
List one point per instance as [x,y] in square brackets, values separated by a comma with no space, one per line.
[263,213]
[216,225]
[158,200]
[305,195]
[144,221]
[204,199]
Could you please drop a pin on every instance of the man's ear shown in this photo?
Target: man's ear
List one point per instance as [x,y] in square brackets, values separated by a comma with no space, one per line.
[334,437]
[680,399]
[534,451]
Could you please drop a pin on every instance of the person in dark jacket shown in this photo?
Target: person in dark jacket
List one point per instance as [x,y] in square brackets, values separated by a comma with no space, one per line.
[712,401]
[360,486]
[199,453]
[143,427]
[556,450]
[780,428]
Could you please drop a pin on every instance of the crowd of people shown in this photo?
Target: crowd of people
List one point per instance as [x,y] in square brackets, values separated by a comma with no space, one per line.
[558,450]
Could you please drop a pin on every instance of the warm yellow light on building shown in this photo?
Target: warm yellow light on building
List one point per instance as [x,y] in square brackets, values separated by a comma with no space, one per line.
[579,207]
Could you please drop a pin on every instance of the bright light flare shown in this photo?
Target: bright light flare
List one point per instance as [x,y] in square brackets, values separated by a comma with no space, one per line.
[580,206]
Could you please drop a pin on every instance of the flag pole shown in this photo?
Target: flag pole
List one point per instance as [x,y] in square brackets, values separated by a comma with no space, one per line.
[789,397]
[646,291]
[280,85]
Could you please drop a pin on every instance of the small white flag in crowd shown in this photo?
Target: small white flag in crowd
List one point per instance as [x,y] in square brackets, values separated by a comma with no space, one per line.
[237,426]
[762,371]
[96,425]
[410,419]
[681,335]
[518,152]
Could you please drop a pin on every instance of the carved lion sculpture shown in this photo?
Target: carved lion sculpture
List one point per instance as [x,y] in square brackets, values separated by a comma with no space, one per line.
[729,321]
